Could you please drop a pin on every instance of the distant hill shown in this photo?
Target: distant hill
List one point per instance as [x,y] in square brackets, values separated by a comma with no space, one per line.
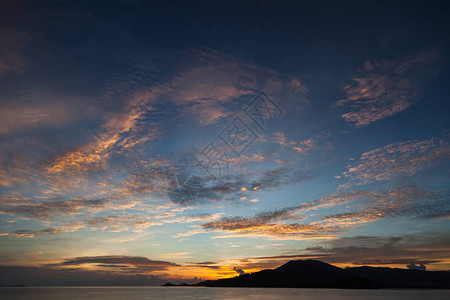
[317,274]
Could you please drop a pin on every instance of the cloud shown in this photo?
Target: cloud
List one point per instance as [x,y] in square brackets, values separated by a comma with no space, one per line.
[207,88]
[47,209]
[31,233]
[209,84]
[122,264]
[236,223]
[299,147]
[49,276]
[274,178]
[110,270]
[119,223]
[295,231]
[254,264]
[180,176]
[428,248]
[40,109]
[12,44]
[239,271]
[394,160]
[133,262]
[407,201]
[282,257]
[210,88]
[114,133]
[84,210]
[413,266]
[194,218]
[205,263]
[400,261]
[268,223]
[385,88]
[8,178]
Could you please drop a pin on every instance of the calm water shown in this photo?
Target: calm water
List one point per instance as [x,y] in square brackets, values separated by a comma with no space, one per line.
[112,293]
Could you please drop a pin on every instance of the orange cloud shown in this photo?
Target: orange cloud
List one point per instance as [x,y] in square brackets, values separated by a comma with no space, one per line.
[95,153]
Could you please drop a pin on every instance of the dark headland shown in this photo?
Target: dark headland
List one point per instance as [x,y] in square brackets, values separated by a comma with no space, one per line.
[317,274]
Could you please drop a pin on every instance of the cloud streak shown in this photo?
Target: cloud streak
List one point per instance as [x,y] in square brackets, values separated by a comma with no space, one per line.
[119,223]
[133,262]
[12,44]
[31,233]
[408,201]
[113,134]
[394,160]
[385,88]
[420,248]
[271,224]
[49,209]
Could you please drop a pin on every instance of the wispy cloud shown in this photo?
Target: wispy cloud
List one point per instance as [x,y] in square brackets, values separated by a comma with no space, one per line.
[289,213]
[11,51]
[393,160]
[132,263]
[122,264]
[159,178]
[206,90]
[42,210]
[119,223]
[401,261]
[112,135]
[9,176]
[407,201]
[271,224]
[194,218]
[420,247]
[287,257]
[384,88]
[31,233]
[211,88]
[38,109]
[47,276]
[317,144]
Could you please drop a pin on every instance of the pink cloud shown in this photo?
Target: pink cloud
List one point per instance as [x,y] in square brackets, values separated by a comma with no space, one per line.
[385,88]
[393,160]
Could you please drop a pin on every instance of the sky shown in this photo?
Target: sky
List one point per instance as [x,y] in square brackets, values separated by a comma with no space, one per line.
[146,142]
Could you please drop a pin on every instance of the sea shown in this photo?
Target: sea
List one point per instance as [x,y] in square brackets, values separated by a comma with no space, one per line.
[136,293]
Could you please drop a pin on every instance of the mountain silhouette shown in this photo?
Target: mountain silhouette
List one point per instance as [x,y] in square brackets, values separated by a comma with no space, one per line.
[317,274]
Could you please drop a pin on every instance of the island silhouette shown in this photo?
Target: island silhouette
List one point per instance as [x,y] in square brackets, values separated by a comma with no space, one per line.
[318,274]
